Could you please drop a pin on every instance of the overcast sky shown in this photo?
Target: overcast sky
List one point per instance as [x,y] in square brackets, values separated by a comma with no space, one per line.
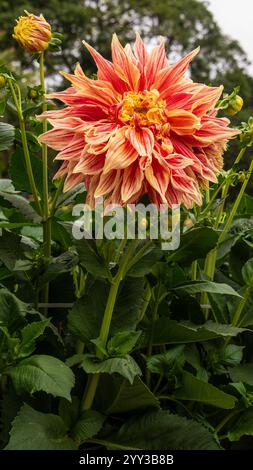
[235,17]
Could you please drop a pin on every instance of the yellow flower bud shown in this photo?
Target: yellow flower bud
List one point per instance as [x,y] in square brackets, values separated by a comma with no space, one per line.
[32,32]
[2,81]
[235,106]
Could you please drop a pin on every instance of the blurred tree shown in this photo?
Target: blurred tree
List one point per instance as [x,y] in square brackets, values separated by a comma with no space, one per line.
[185,24]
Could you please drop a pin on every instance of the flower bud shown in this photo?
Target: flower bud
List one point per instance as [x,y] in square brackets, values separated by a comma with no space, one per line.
[235,106]
[2,81]
[32,32]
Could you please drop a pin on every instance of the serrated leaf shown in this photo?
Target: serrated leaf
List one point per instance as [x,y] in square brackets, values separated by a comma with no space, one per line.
[123,342]
[145,264]
[29,334]
[206,286]
[18,171]
[12,310]
[247,272]
[62,264]
[116,395]
[162,430]
[242,427]
[42,373]
[196,390]
[88,425]
[32,430]
[165,362]
[90,259]
[242,373]
[168,331]
[125,366]
[7,134]
[195,244]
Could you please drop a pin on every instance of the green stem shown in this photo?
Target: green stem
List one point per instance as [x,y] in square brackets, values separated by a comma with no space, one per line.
[235,205]
[29,169]
[46,214]
[106,323]
[239,310]
[151,337]
[210,261]
[56,196]
[194,270]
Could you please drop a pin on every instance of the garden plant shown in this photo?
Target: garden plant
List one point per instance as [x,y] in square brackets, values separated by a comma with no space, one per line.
[109,337]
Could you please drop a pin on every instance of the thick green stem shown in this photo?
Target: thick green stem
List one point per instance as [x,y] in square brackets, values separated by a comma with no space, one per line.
[210,261]
[194,270]
[235,205]
[29,169]
[106,323]
[46,213]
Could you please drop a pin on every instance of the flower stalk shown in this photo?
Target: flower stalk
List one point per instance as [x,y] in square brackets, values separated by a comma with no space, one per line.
[93,380]
[18,106]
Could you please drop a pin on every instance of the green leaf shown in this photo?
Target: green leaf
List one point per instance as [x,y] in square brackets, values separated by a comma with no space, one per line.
[29,334]
[123,342]
[33,430]
[87,426]
[196,390]
[146,263]
[62,264]
[161,430]
[117,395]
[247,272]
[168,331]
[242,427]
[90,259]
[242,373]
[128,305]
[44,373]
[22,204]
[125,366]
[12,310]
[85,317]
[165,363]
[7,134]
[206,286]
[18,171]
[195,244]
[69,197]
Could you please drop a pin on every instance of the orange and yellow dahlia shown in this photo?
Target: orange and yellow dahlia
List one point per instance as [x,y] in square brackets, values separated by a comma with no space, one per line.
[32,32]
[141,127]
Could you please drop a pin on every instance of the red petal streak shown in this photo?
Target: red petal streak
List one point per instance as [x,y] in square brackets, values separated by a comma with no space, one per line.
[120,153]
[142,139]
[132,182]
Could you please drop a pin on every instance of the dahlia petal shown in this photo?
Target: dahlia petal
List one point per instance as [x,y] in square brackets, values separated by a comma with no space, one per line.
[156,61]
[183,122]
[120,153]
[142,139]
[132,182]
[158,177]
[57,139]
[89,164]
[123,65]
[107,182]
[106,70]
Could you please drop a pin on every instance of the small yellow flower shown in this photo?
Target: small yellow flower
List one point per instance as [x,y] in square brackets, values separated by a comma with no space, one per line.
[32,32]
[2,81]
[235,106]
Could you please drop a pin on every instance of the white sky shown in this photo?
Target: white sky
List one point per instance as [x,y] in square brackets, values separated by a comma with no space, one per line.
[235,18]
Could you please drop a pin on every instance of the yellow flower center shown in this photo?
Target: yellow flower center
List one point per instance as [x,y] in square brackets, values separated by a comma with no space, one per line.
[144,108]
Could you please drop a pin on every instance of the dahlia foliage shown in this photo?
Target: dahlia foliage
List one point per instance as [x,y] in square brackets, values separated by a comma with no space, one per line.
[143,126]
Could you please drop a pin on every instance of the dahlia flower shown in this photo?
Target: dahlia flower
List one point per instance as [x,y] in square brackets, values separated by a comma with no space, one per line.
[142,127]
[32,32]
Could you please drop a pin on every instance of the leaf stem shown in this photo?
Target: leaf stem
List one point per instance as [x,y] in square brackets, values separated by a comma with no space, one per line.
[46,213]
[93,380]
[29,169]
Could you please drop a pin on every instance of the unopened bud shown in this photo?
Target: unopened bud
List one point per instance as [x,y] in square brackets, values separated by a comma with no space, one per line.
[234,106]
[2,81]
[32,32]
